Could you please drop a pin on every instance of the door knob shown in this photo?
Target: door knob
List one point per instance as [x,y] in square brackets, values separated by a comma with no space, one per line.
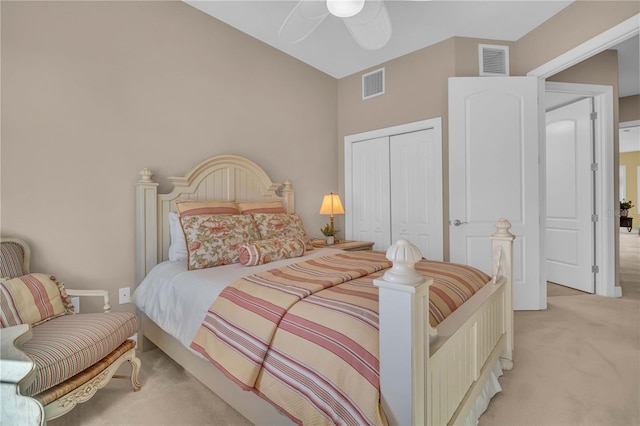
[458,223]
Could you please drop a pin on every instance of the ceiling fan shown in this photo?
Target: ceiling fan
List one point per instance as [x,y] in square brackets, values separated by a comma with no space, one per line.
[367,21]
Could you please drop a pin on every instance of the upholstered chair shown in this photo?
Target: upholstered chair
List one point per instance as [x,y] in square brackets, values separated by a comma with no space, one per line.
[53,358]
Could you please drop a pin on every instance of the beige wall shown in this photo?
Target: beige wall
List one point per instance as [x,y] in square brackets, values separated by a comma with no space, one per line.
[92,92]
[629,108]
[572,26]
[599,69]
[415,89]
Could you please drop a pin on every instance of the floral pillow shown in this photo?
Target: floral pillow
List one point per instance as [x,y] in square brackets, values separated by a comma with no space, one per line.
[265,251]
[214,240]
[32,299]
[281,225]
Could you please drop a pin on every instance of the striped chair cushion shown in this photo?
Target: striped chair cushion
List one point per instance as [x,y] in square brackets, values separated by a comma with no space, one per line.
[71,343]
[11,259]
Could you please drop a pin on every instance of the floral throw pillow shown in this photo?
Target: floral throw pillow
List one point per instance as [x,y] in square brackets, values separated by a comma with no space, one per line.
[281,225]
[265,251]
[214,240]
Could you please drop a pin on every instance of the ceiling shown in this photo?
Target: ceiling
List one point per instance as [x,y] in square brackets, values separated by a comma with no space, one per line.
[416,24]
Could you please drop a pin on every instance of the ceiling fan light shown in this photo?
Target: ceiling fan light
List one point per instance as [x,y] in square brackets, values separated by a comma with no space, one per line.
[345,8]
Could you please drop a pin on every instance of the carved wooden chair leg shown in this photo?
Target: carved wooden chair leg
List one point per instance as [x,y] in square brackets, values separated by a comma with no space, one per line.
[135,371]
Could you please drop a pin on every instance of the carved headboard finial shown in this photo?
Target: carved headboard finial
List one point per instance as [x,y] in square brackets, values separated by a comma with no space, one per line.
[285,186]
[145,175]
[404,255]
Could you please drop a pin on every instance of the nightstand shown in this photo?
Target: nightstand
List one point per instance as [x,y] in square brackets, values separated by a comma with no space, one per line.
[345,245]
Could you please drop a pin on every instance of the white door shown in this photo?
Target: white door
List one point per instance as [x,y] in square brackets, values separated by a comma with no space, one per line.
[368,206]
[393,186]
[493,173]
[416,191]
[569,245]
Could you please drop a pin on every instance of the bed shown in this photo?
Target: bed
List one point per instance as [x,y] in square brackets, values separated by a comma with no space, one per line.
[443,374]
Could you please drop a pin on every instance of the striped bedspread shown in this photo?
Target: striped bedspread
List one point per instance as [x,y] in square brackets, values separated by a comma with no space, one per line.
[305,336]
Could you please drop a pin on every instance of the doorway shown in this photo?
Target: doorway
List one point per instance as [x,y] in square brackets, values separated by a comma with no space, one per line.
[602,160]
[608,275]
[570,245]
[629,155]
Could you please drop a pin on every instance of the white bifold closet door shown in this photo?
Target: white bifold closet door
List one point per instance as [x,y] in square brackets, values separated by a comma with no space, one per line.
[396,191]
[369,204]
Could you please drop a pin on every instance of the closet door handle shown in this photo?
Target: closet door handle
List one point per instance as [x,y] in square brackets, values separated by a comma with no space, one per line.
[458,223]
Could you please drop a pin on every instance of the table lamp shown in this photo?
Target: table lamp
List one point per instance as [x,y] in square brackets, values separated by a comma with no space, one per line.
[331,206]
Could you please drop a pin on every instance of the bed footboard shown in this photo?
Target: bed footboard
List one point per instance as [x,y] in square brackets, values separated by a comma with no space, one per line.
[436,380]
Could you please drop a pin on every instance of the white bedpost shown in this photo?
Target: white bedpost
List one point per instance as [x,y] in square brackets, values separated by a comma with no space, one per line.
[146,224]
[146,236]
[404,346]
[502,252]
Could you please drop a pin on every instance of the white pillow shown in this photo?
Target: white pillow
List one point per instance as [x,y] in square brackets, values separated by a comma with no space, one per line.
[178,246]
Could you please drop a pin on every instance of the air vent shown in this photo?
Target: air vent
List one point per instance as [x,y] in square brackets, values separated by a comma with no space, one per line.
[494,60]
[373,84]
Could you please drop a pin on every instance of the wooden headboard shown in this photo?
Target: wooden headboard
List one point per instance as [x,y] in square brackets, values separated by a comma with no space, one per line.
[223,177]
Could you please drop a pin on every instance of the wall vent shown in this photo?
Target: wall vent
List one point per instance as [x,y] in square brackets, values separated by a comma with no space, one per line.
[493,60]
[373,84]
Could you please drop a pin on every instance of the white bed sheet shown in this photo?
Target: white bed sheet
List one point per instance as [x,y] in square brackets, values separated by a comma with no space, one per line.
[178,299]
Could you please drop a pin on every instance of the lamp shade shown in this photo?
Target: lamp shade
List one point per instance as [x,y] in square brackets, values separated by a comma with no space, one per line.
[331,205]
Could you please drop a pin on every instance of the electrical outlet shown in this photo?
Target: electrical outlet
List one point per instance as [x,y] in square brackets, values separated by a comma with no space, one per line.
[124,295]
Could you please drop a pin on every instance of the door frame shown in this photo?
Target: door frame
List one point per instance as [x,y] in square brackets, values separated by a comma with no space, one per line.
[603,142]
[593,46]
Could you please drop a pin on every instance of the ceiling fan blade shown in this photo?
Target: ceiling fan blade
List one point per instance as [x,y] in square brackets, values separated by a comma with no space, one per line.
[371,28]
[303,19]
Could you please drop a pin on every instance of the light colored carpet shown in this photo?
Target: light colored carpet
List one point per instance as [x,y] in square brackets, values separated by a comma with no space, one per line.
[169,396]
[577,363]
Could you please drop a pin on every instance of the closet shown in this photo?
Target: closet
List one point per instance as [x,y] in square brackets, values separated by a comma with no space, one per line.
[393,186]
